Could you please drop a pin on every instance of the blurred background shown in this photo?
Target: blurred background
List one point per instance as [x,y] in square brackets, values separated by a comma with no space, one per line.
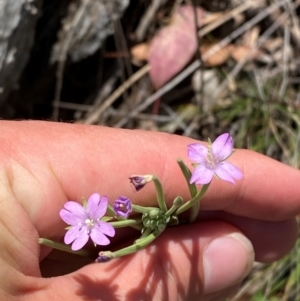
[193,68]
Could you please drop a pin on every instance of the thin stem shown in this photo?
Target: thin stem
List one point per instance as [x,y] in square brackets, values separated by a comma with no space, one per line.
[193,200]
[138,246]
[110,211]
[146,232]
[178,200]
[192,188]
[141,209]
[62,247]
[126,222]
[160,194]
[194,212]
[187,174]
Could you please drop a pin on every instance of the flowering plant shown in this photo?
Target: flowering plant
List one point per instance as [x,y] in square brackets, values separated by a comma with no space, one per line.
[96,220]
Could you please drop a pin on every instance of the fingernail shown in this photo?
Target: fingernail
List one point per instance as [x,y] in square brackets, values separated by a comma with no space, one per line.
[227,260]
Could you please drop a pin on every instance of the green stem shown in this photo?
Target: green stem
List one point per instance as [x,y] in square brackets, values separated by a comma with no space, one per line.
[194,212]
[142,209]
[110,211]
[160,194]
[193,200]
[187,175]
[142,243]
[178,200]
[192,188]
[62,247]
[126,222]
[146,232]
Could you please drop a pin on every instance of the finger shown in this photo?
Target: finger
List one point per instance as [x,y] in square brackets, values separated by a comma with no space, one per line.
[186,263]
[270,240]
[84,159]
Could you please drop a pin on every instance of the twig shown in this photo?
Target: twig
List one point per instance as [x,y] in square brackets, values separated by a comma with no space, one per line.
[259,84]
[176,118]
[121,45]
[273,128]
[228,16]
[192,126]
[285,56]
[104,92]
[295,29]
[75,106]
[260,41]
[199,55]
[147,18]
[116,94]
[143,116]
[63,55]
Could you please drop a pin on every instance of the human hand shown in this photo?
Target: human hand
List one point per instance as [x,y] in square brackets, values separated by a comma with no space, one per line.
[45,164]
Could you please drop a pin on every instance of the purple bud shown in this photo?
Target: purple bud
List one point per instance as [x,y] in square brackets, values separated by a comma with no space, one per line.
[104,257]
[122,206]
[140,181]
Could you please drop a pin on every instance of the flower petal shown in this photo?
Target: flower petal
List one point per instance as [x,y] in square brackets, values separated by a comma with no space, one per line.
[202,175]
[69,218]
[78,235]
[197,152]
[228,172]
[72,234]
[81,240]
[122,206]
[76,213]
[97,206]
[99,238]
[222,147]
[93,203]
[74,207]
[106,228]
[97,233]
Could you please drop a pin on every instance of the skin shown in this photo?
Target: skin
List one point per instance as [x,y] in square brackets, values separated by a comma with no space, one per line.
[44,164]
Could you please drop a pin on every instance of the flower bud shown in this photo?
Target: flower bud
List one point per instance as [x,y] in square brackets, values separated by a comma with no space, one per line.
[178,201]
[104,256]
[154,213]
[122,206]
[140,181]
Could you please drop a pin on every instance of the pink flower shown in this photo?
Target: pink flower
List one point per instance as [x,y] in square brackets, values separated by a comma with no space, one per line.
[85,222]
[210,161]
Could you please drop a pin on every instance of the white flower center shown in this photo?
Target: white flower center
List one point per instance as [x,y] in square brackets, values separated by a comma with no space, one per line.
[89,222]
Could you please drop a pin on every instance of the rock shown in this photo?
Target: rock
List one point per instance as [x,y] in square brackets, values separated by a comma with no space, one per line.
[17,28]
[86,26]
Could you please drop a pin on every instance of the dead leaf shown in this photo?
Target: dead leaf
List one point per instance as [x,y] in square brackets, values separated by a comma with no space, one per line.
[140,52]
[211,17]
[251,36]
[218,58]
[174,46]
[241,52]
[273,44]
[237,52]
